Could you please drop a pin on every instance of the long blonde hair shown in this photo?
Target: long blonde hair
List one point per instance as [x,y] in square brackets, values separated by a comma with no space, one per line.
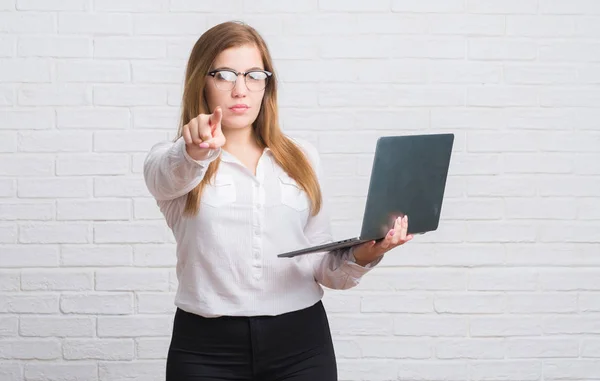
[266,127]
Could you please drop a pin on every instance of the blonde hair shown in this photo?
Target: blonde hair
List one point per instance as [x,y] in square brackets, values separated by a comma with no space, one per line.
[266,127]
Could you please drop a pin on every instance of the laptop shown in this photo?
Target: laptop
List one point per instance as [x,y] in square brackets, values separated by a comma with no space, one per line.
[408,177]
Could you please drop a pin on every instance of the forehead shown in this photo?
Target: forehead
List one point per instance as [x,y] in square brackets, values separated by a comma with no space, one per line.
[239,58]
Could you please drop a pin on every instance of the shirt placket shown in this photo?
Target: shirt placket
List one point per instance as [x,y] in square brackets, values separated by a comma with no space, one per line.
[258,213]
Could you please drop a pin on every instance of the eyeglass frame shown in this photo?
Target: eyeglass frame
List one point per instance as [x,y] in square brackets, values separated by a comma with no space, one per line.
[212,73]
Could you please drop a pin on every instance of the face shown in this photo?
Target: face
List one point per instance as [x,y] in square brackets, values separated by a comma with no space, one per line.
[240,102]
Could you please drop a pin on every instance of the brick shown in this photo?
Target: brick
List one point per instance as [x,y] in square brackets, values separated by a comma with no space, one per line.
[569,280]
[341,47]
[126,141]
[83,71]
[9,326]
[10,371]
[337,302]
[530,163]
[501,96]
[8,142]
[48,187]
[354,6]
[26,118]
[572,51]
[57,326]
[568,186]
[433,6]
[544,208]
[570,369]
[508,186]
[396,348]
[97,303]
[9,280]
[525,370]
[122,186]
[98,349]
[228,6]
[29,303]
[448,349]
[158,72]
[169,24]
[540,118]
[97,24]
[126,95]
[8,188]
[557,254]
[7,96]
[64,47]
[154,255]
[493,231]
[156,118]
[93,210]
[53,5]
[398,303]
[284,6]
[54,233]
[61,371]
[8,233]
[8,45]
[132,370]
[26,211]
[570,7]
[54,95]
[27,22]
[155,303]
[590,348]
[540,26]
[542,348]
[475,25]
[433,370]
[473,209]
[470,303]
[54,141]
[505,326]
[415,279]
[25,165]
[568,231]
[56,280]
[97,118]
[480,48]
[504,7]
[373,325]
[469,72]
[133,6]
[129,47]
[541,304]
[588,208]
[20,256]
[96,256]
[25,70]
[502,280]
[540,75]
[134,326]
[427,325]
[30,349]
[146,232]
[132,280]
[469,118]
[92,164]
[325,24]
[152,348]
[571,325]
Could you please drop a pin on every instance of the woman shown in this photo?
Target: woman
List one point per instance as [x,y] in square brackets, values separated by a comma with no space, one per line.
[236,192]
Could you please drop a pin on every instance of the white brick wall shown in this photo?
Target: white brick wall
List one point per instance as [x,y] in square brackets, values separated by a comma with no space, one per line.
[508,289]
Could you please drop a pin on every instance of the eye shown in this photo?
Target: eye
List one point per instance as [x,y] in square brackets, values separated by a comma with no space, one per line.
[257,75]
[225,76]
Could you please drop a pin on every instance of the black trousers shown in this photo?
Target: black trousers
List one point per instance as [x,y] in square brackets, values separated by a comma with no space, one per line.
[295,346]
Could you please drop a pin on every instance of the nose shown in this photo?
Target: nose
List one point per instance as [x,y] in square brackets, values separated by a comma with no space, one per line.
[239,89]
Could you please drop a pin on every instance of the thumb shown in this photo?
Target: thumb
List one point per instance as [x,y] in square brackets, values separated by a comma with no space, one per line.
[215,117]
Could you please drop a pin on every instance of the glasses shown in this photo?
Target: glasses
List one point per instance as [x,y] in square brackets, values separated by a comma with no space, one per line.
[225,79]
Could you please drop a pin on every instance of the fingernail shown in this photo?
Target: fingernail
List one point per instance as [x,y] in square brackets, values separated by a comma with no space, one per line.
[392,232]
[203,145]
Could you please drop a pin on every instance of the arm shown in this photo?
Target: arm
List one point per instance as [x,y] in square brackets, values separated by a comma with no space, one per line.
[170,172]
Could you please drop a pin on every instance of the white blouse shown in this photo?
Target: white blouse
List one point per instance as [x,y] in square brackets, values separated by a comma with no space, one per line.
[227,260]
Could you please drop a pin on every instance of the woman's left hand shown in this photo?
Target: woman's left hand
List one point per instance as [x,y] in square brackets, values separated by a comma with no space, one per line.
[370,251]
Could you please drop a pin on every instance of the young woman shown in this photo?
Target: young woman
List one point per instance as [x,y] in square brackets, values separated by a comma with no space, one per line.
[236,192]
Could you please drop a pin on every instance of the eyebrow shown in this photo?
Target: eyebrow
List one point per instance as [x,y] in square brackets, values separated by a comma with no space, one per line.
[228,68]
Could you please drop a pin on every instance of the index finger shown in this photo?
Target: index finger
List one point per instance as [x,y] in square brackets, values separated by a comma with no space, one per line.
[215,117]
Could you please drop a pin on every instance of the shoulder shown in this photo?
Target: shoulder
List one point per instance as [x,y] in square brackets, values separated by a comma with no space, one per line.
[309,149]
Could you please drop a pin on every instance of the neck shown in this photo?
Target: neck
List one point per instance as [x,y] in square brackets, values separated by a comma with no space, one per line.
[239,139]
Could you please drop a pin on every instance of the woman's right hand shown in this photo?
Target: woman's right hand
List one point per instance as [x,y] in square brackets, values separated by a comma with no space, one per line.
[203,133]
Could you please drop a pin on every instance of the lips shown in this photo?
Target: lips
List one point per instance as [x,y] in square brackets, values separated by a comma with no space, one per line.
[239,107]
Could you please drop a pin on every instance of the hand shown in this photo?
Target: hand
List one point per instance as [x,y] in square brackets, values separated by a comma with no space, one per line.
[203,133]
[370,251]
